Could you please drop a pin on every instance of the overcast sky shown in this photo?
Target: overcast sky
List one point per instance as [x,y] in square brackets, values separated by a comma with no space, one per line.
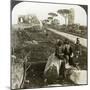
[41,10]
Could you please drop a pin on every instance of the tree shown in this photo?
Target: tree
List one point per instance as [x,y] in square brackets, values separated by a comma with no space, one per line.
[52,15]
[50,18]
[64,13]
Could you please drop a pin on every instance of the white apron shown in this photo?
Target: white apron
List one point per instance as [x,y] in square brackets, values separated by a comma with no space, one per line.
[53,61]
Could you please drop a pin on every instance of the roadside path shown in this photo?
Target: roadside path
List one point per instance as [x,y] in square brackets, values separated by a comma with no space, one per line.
[71,37]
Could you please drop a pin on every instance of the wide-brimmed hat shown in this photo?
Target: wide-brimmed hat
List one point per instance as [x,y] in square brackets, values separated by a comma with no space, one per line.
[66,41]
[59,43]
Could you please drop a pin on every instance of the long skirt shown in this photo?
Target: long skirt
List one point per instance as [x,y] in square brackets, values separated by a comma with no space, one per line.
[52,68]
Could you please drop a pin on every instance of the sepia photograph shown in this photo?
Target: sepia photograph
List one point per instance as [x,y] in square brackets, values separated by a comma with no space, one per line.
[49,44]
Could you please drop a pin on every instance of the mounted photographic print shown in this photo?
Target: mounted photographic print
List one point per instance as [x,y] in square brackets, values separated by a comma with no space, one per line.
[48,44]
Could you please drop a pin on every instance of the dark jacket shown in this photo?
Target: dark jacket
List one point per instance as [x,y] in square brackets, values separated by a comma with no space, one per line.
[59,52]
[67,50]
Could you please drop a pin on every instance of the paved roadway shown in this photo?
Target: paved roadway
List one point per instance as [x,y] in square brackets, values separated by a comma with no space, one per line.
[71,37]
